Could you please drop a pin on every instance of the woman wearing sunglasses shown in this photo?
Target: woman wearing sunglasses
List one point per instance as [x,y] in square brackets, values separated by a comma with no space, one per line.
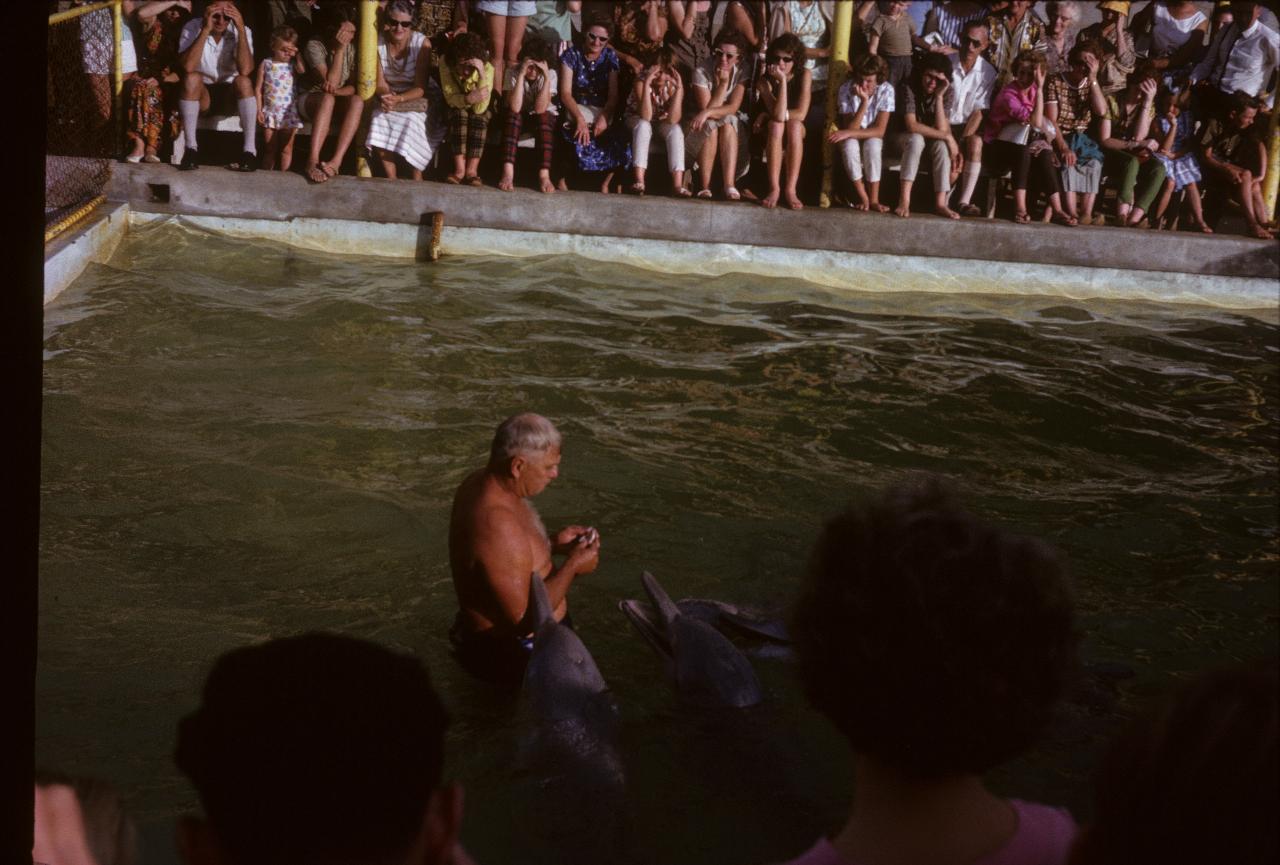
[783,92]
[398,128]
[589,93]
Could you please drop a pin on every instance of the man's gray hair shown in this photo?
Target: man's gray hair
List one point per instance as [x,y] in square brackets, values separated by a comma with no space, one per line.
[1053,7]
[522,435]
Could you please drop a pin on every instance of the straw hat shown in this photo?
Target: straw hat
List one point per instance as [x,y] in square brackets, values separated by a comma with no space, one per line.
[1121,6]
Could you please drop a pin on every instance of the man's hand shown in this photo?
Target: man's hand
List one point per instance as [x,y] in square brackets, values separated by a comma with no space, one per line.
[585,556]
[568,536]
[206,23]
[233,15]
[389,101]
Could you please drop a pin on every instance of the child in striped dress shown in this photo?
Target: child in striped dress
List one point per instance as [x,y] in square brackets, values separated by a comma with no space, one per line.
[1173,129]
[277,112]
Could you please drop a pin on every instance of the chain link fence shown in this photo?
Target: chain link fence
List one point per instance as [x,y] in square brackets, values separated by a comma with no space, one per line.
[81,116]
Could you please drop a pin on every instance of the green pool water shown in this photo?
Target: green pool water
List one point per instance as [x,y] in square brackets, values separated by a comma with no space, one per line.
[242,441]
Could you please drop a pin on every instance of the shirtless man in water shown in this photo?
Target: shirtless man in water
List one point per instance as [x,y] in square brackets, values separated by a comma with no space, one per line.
[497,542]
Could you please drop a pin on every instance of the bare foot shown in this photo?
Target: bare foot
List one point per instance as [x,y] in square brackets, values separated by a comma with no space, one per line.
[903,210]
[771,200]
[1204,226]
[562,185]
[947,212]
[878,207]
[506,184]
[861,205]
[545,184]
[1260,231]
[793,201]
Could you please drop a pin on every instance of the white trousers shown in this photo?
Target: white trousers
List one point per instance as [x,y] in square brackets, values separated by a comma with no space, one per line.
[913,149]
[642,134]
[862,155]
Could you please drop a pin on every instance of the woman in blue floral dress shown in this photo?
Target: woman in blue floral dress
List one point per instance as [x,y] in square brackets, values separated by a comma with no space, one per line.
[589,93]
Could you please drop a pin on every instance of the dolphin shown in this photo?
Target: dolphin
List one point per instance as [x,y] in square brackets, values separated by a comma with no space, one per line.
[707,669]
[569,786]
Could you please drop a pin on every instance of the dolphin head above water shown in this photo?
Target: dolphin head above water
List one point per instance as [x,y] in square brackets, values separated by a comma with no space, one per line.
[561,680]
[707,669]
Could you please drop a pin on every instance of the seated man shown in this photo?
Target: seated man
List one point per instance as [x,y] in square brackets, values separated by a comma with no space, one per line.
[497,543]
[1243,56]
[937,645]
[972,80]
[216,52]
[318,750]
[1235,158]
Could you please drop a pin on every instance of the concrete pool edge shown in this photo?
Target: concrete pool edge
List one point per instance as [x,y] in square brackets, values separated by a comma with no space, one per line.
[93,241]
[841,271]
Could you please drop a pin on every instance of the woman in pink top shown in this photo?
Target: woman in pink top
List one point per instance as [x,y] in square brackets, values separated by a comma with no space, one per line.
[938,645]
[1018,138]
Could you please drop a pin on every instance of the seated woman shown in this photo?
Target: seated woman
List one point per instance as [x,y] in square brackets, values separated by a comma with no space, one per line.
[719,87]
[328,84]
[1173,129]
[926,110]
[153,100]
[656,100]
[1136,176]
[784,91]
[965,640]
[398,126]
[589,94]
[1019,109]
[1235,159]
[466,77]
[530,86]
[1071,101]
[864,103]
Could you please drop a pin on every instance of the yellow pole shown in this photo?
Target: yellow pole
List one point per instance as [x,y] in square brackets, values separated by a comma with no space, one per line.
[841,28]
[1271,182]
[117,35]
[59,17]
[367,70]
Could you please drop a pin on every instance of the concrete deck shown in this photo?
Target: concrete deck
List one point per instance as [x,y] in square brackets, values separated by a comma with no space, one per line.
[722,237]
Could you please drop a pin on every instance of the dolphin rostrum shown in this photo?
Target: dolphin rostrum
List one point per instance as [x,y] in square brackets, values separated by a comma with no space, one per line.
[707,669]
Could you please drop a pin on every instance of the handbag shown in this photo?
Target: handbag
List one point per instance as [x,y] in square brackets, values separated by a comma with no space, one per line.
[1018,133]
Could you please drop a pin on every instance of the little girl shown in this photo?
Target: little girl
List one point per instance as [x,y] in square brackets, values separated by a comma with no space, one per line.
[466,77]
[277,112]
[656,100]
[1177,153]
[891,36]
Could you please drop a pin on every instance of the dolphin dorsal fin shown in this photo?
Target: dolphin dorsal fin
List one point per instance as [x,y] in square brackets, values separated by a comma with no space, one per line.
[666,607]
[540,610]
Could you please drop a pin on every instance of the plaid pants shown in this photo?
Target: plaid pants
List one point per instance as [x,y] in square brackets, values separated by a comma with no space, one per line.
[546,123]
[467,132]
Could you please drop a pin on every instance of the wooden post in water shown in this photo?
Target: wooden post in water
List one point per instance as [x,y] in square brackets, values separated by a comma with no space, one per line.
[1271,183]
[837,71]
[429,228]
[366,73]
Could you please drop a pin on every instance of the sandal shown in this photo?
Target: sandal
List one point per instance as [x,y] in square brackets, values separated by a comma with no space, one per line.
[316,174]
[732,193]
[1022,217]
[684,192]
[970,209]
[452,178]
[472,180]
[704,193]
[637,189]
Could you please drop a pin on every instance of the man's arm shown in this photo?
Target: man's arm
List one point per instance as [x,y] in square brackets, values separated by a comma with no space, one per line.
[505,561]
[191,57]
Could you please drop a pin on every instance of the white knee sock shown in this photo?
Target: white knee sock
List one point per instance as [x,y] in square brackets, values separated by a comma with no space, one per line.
[248,108]
[189,110]
[969,180]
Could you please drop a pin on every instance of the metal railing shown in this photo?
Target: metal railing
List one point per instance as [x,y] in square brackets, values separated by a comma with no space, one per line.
[85,118]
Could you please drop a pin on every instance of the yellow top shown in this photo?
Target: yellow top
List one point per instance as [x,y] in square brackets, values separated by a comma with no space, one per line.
[456,89]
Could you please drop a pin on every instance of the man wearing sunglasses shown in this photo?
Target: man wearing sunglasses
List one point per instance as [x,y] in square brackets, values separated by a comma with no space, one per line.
[217,65]
[972,81]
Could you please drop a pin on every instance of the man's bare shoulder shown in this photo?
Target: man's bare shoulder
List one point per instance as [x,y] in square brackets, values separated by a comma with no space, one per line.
[484,505]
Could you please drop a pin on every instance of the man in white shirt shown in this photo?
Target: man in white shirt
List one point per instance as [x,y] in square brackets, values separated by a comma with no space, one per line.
[217,68]
[1243,56]
[972,80]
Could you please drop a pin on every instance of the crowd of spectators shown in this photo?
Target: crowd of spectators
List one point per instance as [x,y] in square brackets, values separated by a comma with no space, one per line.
[1148,110]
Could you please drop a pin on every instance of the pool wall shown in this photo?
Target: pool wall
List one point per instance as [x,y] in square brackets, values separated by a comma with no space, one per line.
[842,250]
